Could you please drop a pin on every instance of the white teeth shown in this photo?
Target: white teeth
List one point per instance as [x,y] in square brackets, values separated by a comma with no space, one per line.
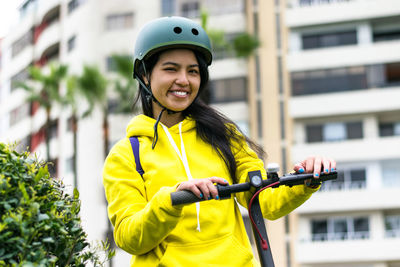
[180,93]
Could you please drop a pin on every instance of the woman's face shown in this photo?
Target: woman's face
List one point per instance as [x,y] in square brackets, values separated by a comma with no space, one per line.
[175,80]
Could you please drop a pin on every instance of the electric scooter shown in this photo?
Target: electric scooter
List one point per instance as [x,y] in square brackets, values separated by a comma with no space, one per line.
[256,185]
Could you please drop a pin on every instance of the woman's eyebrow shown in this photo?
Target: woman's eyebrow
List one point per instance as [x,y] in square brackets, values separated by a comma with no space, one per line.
[178,65]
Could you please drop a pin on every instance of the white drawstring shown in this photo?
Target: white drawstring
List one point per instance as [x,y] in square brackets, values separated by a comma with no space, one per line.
[183,158]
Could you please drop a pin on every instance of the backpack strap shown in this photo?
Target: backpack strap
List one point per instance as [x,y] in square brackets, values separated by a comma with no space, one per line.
[135,148]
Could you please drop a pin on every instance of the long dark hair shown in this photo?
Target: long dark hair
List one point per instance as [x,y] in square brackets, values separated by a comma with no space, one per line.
[212,126]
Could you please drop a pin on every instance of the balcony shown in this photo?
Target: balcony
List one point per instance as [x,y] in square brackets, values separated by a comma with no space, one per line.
[345,103]
[348,251]
[339,11]
[352,200]
[49,37]
[367,149]
[46,7]
[227,68]
[339,56]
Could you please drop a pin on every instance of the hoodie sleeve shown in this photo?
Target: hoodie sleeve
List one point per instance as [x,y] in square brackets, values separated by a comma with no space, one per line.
[139,224]
[274,202]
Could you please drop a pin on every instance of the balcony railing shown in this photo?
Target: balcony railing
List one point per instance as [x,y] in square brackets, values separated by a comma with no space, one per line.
[340,236]
[343,186]
[392,233]
[319,2]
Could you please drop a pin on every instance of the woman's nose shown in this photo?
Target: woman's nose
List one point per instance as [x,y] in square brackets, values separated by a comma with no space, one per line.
[182,78]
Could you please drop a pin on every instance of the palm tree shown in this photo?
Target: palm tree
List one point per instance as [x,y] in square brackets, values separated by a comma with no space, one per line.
[93,86]
[124,85]
[242,44]
[43,88]
[71,98]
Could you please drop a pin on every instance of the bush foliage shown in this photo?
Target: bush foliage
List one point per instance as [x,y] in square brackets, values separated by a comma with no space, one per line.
[40,223]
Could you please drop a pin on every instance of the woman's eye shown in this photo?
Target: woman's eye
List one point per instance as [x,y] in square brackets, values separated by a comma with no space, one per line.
[194,71]
[169,69]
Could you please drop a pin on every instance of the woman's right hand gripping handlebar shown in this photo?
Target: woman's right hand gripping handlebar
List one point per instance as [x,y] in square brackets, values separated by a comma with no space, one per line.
[203,188]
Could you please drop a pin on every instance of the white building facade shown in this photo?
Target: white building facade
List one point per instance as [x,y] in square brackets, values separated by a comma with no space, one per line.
[79,32]
[344,62]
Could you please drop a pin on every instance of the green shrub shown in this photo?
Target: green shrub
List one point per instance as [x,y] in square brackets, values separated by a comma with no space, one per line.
[244,44]
[40,223]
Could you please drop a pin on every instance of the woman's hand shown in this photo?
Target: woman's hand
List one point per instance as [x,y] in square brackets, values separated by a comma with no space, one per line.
[203,188]
[315,165]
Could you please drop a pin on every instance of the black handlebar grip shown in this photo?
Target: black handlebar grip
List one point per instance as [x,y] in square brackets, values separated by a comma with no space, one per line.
[184,197]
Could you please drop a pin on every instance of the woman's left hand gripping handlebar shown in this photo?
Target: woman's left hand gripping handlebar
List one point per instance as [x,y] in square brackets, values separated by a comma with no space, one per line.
[315,165]
[203,188]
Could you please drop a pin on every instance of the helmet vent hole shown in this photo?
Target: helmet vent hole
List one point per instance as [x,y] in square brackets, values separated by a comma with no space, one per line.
[178,30]
[195,32]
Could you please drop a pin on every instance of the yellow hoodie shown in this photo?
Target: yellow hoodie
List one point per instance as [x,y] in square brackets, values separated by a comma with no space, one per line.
[159,234]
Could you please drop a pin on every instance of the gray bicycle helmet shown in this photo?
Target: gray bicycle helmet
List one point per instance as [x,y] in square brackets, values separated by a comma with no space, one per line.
[170,32]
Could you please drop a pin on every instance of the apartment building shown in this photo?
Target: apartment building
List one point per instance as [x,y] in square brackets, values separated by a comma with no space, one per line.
[340,97]
[344,65]
[78,32]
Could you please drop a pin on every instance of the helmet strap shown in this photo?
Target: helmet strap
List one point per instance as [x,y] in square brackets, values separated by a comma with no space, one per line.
[149,94]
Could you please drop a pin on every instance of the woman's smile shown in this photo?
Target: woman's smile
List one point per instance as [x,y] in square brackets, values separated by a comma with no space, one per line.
[180,94]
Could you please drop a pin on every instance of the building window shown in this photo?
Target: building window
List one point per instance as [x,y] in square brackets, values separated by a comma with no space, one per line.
[392,226]
[21,43]
[167,7]
[72,5]
[331,132]
[221,7]
[69,124]
[71,43]
[386,35]
[387,31]
[334,132]
[190,9]
[69,165]
[24,144]
[19,113]
[220,51]
[27,7]
[21,76]
[391,173]
[345,79]
[119,21]
[393,73]
[228,90]
[340,228]
[348,179]
[389,129]
[53,167]
[324,40]
[53,129]
[328,80]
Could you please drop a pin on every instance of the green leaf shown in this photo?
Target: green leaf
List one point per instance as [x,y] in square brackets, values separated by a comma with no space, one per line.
[21,187]
[76,193]
[48,240]
[43,216]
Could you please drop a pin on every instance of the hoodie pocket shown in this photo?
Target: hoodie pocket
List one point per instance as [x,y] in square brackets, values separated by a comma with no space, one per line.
[224,251]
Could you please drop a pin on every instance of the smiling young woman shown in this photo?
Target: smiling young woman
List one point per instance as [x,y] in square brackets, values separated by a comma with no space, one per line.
[184,144]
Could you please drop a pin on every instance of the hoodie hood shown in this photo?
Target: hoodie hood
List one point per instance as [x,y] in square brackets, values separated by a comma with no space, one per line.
[143,125]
